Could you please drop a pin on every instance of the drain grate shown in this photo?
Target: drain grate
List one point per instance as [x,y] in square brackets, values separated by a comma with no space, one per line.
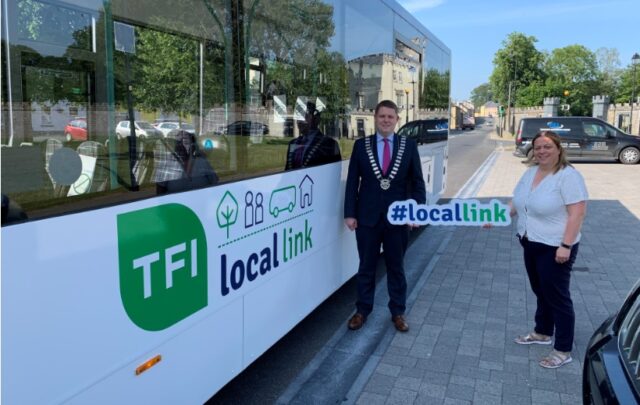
[584,269]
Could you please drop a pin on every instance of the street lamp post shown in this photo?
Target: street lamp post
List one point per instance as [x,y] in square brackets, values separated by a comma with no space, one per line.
[407,105]
[635,59]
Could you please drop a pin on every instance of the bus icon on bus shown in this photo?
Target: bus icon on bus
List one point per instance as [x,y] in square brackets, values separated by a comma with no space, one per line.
[282,199]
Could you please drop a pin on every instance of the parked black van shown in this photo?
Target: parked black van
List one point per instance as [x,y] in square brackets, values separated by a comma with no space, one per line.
[426,131]
[582,137]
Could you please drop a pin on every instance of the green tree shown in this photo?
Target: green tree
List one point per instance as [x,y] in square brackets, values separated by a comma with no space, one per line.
[517,65]
[626,84]
[609,71]
[435,92]
[481,94]
[168,72]
[574,69]
[332,85]
[533,94]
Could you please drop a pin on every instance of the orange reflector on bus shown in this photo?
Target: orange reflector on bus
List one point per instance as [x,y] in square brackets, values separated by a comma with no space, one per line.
[148,364]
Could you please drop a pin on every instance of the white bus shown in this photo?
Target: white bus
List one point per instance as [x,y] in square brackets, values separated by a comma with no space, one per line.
[141,268]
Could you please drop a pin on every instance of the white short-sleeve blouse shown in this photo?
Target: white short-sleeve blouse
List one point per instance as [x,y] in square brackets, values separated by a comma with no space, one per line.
[542,212]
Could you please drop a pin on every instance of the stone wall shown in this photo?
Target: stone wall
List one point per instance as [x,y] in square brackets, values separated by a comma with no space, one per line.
[618,115]
[511,126]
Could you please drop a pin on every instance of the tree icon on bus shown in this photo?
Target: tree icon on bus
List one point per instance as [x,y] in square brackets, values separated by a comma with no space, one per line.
[282,199]
[227,211]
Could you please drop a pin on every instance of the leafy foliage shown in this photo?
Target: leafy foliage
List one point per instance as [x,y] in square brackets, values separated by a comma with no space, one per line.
[435,92]
[481,94]
[573,73]
[169,71]
[609,71]
[573,68]
[518,63]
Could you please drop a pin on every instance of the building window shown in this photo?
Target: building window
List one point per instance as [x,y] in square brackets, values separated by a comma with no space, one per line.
[360,127]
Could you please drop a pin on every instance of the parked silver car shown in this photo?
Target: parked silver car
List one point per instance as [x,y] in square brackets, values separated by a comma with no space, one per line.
[143,130]
[168,126]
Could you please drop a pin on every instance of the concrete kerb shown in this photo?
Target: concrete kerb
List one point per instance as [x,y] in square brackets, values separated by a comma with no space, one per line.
[506,136]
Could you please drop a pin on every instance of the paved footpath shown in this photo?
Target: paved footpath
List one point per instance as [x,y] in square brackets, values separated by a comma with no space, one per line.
[473,299]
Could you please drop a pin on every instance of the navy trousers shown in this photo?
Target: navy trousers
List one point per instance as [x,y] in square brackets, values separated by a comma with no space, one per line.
[394,240]
[550,283]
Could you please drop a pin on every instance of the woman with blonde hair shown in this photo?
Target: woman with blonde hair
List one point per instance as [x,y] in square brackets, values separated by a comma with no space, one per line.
[550,202]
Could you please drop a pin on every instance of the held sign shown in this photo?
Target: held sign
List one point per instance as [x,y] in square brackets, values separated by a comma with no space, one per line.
[468,212]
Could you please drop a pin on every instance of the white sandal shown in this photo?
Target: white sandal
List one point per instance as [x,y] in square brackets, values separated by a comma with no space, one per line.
[556,359]
[532,339]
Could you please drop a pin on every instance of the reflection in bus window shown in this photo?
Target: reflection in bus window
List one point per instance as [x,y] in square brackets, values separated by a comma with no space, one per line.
[231,72]
[53,24]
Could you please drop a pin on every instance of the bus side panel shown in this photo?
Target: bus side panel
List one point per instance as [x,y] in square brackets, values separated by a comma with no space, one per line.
[439,153]
[427,173]
[434,167]
[272,311]
[195,364]
[70,333]
[63,327]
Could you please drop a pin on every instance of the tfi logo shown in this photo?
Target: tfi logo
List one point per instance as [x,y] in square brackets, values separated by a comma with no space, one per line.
[163,265]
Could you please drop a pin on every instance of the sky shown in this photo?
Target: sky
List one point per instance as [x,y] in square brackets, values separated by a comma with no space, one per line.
[474,30]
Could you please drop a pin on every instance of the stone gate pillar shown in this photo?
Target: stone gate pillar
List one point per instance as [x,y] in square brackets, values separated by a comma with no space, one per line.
[550,108]
[600,107]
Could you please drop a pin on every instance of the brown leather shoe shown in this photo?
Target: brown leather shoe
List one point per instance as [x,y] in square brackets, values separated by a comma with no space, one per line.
[356,321]
[400,323]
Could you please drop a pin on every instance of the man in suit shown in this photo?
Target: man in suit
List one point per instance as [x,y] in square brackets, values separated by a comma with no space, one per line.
[383,168]
[312,147]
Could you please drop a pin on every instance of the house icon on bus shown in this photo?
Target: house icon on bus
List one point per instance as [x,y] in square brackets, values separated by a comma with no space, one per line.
[306,192]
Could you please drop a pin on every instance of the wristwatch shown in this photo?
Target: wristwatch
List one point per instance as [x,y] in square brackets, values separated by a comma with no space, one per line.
[564,245]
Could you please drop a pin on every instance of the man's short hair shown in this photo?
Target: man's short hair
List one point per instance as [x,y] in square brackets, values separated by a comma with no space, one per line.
[312,109]
[387,104]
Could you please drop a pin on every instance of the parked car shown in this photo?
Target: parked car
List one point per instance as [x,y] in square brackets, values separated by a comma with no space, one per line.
[582,137]
[167,126]
[246,128]
[426,131]
[610,372]
[76,130]
[468,123]
[143,130]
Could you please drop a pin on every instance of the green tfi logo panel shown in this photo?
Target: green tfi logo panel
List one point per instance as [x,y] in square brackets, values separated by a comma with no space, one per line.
[163,265]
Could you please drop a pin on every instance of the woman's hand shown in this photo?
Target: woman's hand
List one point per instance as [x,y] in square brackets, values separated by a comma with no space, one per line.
[562,254]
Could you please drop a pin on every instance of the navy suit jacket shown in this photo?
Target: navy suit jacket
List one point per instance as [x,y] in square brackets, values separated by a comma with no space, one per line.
[364,199]
[321,150]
